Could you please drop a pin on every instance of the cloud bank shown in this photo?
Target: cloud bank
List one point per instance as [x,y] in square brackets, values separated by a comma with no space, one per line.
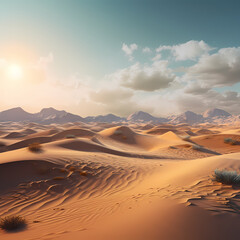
[146,78]
[190,50]
[173,78]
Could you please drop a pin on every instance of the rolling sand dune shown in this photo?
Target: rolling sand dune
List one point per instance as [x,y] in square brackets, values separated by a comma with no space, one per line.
[125,135]
[20,134]
[216,142]
[28,131]
[231,131]
[203,132]
[164,221]
[46,136]
[44,133]
[169,139]
[63,179]
[120,183]
[73,132]
[146,127]
[159,131]
[13,135]
[120,134]
[23,171]
[2,132]
[26,142]
[88,146]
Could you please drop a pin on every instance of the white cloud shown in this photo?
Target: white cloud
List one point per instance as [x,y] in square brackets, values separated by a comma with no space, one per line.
[147,50]
[164,47]
[196,88]
[146,78]
[229,101]
[190,50]
[128,50]
[157,57]
[219,69]
[136,87]
[111,96]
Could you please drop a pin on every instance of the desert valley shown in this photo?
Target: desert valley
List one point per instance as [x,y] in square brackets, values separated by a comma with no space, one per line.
[135,178]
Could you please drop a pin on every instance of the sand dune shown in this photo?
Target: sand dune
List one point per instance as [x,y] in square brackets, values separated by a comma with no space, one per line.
[20,134]
[26,142]
[64,179]
[45,137]
[147,126]
[159,130]
[169,139]
[28,131]
[204,132]
[44,133]
[13,135]
[24,171]
[216,142]
[90,146]
[119,183]
[121,134]
[78,132]
[126,135]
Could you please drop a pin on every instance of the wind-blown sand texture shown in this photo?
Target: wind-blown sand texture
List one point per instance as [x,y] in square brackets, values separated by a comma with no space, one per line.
[119,182]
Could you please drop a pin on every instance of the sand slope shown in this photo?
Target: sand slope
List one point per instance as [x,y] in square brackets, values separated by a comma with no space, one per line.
[147,142]
[119,183]
[216,142]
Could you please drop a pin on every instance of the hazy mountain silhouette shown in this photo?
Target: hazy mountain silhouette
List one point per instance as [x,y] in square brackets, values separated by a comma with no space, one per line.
[187,117]
[215,112]
[51,115]
[141,116]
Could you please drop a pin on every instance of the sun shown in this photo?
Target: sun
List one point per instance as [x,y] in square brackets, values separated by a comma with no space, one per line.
[15,71]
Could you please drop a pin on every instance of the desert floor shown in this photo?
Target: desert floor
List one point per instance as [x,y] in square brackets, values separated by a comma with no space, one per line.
[107,181]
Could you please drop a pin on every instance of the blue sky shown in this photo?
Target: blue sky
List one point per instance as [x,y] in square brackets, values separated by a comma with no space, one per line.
[81,45]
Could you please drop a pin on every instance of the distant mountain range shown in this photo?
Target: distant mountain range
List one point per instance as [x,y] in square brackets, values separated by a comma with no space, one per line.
[145,117]
[51,115]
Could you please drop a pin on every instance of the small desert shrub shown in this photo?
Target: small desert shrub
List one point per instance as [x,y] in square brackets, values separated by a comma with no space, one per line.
[227,177]
[70,136]
[230,141]
[35,147]
[227,140]
[11,223]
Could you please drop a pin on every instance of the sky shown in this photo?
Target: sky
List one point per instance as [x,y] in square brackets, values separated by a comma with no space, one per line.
[92,57]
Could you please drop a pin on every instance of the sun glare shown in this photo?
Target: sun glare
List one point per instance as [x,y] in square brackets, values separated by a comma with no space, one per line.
[14,71]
